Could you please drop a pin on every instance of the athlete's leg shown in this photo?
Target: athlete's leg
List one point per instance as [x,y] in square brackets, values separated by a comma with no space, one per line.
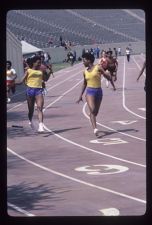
[8,93]
[40,102]
[90,99]
[114,76]
[97,105]
[30,103]
[112,82]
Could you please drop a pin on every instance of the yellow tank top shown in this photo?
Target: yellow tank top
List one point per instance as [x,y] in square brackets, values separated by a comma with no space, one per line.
[34,78]
[93,77]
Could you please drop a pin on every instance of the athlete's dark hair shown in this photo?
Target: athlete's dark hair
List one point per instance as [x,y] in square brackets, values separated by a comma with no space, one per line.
[34,59]
[9,62]
[110,52]
[88,56]
[28,61]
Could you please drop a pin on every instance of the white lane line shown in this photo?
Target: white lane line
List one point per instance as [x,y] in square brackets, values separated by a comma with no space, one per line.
[92,150]
[123,93]
[81,146]
[75,74]
[62,95]
[20,210]
[15,106]
[85,114]
[77,180]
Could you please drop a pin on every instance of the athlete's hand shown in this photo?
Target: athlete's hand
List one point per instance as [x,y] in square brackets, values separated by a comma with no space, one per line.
[79,100]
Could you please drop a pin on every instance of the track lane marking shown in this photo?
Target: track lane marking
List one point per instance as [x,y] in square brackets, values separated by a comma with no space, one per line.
[123,94]
[20,210]
[77,180]
[131,136]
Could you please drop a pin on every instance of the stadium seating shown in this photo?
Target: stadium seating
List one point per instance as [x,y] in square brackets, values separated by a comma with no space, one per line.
[79,26]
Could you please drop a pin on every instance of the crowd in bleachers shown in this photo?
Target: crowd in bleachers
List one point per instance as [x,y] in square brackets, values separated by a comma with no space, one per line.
[43,28]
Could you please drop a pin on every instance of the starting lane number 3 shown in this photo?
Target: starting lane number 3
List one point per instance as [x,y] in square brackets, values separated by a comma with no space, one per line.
[109,141]
[102,169]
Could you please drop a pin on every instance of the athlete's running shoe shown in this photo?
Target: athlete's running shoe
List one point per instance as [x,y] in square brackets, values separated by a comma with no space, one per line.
[41,128]
[96,131]
[8,100]
[32,125]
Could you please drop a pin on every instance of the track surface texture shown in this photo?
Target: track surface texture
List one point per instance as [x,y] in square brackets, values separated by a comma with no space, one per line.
[67,170]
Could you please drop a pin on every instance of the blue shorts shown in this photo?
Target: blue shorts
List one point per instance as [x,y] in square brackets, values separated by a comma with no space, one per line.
[34,91]
[96,92]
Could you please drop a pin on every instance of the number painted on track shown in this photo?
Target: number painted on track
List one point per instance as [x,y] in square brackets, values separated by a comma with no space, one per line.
[102,169]
[143,109]
[125,122]
[108,141]
[110,212]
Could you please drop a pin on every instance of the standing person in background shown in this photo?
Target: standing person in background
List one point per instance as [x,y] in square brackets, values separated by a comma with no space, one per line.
[141,72]
[83,51]
[34,80]
[74,56]
[60,40]
[10,79]
[70,58]
[97,52]
[119,51]
[115,53]
[128,54]
[92,84]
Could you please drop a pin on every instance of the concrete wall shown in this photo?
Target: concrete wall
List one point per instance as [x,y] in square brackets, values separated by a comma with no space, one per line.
[59,54]
[14,54]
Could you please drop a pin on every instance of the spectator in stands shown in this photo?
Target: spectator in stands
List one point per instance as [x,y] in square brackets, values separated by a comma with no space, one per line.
[128,53]
[92,84]
[141,72]
[115,53]
[10,80]
[34,80]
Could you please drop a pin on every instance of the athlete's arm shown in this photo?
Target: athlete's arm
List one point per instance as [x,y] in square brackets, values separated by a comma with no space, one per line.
[82,90]
[24,77]
[106,73]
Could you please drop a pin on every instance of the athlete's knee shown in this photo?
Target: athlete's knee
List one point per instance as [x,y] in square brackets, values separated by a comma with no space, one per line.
[94,112]
[39,108]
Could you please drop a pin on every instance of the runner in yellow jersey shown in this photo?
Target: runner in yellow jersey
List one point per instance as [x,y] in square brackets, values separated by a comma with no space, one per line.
[92,84]
[34,80]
